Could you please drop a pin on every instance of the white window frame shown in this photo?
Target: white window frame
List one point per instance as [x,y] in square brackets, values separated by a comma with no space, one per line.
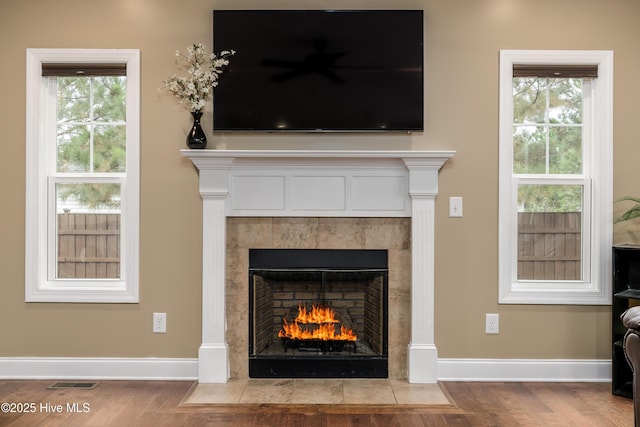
[40,155]
[595,287]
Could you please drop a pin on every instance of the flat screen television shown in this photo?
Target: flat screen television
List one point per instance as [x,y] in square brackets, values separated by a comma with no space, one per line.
[319,70]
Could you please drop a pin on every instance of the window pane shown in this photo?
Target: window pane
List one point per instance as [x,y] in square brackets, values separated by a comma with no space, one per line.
[74,148]
[549,232]
[88,197]
[73,99]
[109,99]
[100,145]
[547,130]
[549,198]
[88,221]
[529,100]
[565,151]
[565,101]
[109,148]
[529,149]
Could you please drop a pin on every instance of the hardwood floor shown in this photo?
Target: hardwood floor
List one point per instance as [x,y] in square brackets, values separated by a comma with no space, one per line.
[158,403]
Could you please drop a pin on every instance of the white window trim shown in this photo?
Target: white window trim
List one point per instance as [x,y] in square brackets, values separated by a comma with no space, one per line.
[38,287]
[597,289]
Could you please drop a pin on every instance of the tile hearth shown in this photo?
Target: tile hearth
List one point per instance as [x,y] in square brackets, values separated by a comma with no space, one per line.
[318,392]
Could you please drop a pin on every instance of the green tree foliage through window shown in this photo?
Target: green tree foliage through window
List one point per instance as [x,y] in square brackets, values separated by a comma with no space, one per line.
[547,140]
[91,136]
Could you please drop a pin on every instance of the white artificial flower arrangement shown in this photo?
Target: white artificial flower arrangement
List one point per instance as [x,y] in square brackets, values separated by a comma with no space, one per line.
[203,72]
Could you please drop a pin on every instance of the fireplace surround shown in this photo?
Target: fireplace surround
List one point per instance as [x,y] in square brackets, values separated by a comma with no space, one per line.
[317,183]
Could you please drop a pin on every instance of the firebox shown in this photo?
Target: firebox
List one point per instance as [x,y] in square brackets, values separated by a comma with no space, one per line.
[318,313]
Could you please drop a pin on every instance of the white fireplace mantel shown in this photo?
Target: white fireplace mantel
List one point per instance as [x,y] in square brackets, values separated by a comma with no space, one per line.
[317,183]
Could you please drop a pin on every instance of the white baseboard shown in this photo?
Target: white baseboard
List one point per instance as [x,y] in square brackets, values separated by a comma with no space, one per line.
[540,370]
[113,368]
[106,368]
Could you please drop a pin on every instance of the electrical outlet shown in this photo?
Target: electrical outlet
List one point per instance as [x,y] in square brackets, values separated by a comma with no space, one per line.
[492,323]
[159,323]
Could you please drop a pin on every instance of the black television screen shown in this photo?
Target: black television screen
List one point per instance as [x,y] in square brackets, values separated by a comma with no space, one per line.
[319,70]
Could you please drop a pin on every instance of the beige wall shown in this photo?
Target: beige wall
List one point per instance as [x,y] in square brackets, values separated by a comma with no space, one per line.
[463,38]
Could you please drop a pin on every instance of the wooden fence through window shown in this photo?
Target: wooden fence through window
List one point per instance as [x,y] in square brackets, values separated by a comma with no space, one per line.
[88,246]
[549,246]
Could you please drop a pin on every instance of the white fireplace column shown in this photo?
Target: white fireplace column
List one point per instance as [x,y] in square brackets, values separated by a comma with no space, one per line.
[317,183]
[213,355]
[422,354]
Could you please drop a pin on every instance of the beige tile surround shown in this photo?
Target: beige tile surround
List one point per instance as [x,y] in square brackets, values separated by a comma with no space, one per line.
[244,233]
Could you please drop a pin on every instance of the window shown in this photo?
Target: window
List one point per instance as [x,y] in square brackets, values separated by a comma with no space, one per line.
[555,213]
[82,212]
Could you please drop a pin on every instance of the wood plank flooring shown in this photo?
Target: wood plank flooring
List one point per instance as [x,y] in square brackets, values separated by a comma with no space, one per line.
[159,403]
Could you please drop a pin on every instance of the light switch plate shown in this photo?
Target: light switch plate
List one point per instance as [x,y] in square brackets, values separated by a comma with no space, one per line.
[455,207]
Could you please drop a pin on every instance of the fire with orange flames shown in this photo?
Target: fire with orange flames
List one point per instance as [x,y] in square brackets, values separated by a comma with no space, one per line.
[323,317]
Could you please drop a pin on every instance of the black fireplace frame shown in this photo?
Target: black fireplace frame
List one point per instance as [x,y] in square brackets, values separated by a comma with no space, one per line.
[324,366]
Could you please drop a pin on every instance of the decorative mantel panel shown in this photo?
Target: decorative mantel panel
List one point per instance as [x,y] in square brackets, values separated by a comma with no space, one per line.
[318,183]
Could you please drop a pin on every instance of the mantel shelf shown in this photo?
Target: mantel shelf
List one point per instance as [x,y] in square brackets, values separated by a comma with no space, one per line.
[309,154]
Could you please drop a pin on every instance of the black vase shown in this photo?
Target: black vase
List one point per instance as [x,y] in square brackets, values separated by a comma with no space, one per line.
[196,137]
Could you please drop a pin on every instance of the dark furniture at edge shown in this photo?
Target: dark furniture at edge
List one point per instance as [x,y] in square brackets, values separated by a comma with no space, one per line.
[631,345]
[626,293]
